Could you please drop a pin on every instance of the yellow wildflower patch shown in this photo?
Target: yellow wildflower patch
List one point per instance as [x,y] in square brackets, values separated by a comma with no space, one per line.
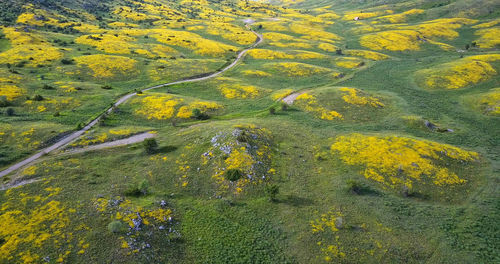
[32,54]
[458,74]
[107,66]
[40,17]
[122,25]
[327,47]
[410,37]
[239,91]
[231,32]
[18,36]
[487,24]
[187,110]
[273,25]
[159,107]
[10,91]
[394,40]
[163,107]
[349,62]
[273,36]
[309,103]
[108,43]
[488,103]
[256,73]
[356,97]
[313,33]
[128,13]
[489,37]
[371,55]
[402,17]
[192,41]
[52,104]
[280,94]
[31,226]
[268,54]
[396,161]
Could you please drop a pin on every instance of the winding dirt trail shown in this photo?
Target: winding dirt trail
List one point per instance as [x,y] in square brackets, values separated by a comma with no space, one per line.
[121,142]
[68,139]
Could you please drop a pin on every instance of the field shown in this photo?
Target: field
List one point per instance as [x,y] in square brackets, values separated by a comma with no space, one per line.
[355,132]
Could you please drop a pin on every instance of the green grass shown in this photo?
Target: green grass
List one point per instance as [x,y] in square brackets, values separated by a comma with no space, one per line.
[434,225]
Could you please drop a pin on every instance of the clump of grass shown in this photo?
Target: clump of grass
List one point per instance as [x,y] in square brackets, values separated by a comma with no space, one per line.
[139,189]
[272,190]
[115,226]
[233,175]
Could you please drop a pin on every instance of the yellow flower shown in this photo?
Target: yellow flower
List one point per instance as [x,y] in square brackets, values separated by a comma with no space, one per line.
[397,161]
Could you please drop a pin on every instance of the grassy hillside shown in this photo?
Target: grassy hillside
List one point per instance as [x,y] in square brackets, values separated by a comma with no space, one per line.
[357,132]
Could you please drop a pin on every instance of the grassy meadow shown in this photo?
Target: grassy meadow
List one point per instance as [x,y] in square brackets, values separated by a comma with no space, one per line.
[388,153]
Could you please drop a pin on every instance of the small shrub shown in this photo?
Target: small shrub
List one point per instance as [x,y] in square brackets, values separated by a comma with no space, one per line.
[21,64]
[10,111]
[197,114]
[150,145]
[3,101]
[355,187]
[284,106]
[47,87]
[37,98]
[233,175]
[243,137]
[338,51]
[115,226]
[67,61]
[138,190]
[272,190]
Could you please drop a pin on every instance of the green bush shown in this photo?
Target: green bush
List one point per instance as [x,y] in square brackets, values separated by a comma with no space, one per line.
[10,111]
[139,189]
[67,61]
[115,226]
[197,114]
[37,98]
[284,106]
[150,145]
[354,186]
[3,101]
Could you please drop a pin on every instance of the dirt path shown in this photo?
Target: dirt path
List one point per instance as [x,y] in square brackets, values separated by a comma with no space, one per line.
[68,139]
[17,184]
[289,99]
[121,142]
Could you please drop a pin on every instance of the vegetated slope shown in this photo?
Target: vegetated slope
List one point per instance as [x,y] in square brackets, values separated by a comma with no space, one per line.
[388,152]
